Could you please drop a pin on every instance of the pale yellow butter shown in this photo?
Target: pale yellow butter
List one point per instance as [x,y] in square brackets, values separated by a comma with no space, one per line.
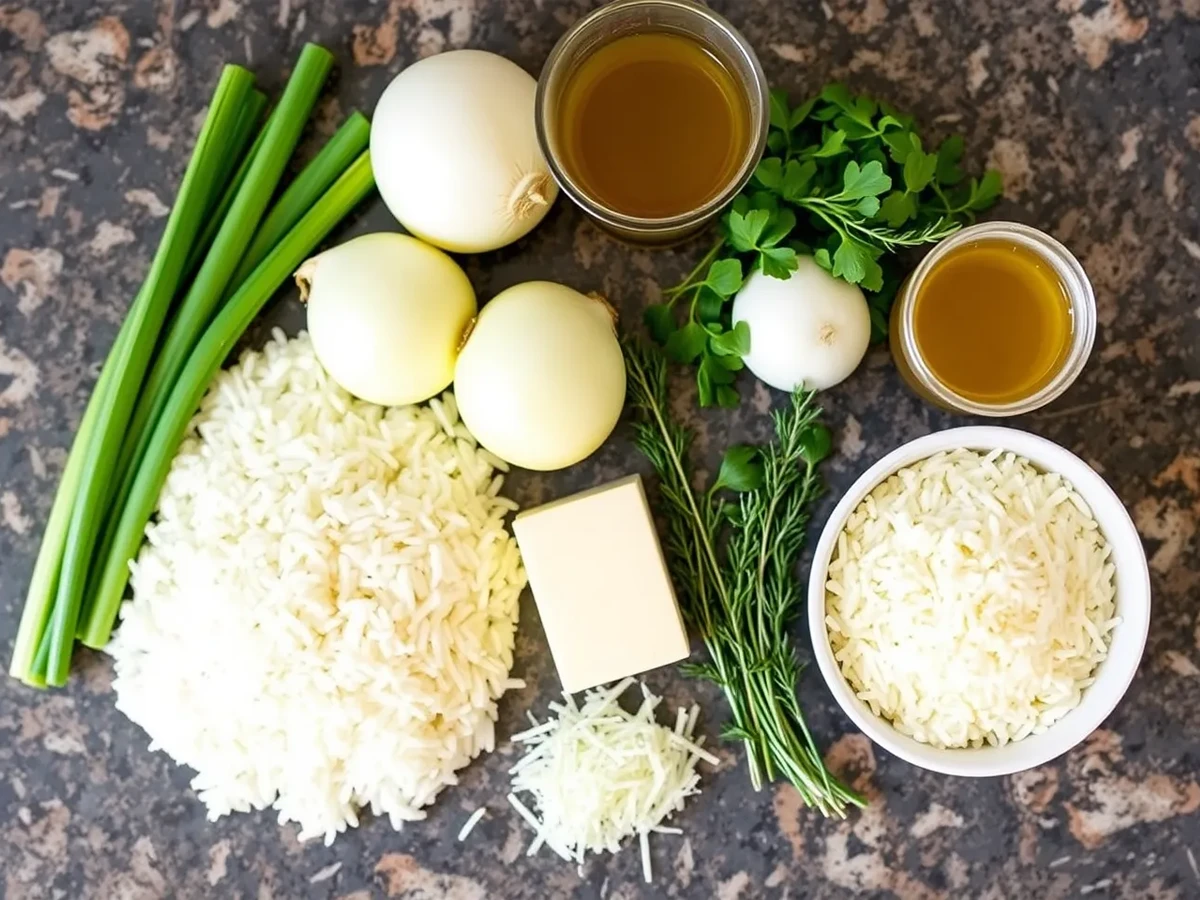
[601,584]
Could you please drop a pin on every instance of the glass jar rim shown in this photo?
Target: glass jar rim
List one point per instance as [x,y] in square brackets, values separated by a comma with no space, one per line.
[1080,296]
[758,95]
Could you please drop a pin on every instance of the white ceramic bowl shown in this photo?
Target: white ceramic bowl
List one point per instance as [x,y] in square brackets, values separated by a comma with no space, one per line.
[1128,637]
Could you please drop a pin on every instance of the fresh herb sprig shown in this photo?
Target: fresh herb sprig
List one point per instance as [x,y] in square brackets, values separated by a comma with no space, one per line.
[845,179]
[734,567]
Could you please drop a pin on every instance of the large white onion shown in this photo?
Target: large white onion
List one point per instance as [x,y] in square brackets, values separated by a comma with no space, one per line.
[455,153]
[541,380]
[809,329]
[386,314]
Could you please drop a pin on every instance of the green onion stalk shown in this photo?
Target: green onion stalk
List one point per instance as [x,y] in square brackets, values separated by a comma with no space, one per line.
[214,217]
[258,181]
[43,584]
[346,145]
[129,362]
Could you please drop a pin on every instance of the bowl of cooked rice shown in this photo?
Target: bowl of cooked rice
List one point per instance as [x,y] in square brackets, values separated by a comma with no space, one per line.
[979,601]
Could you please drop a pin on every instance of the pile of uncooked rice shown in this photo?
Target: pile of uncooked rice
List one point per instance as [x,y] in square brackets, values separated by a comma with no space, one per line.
[970,599]
[324,611]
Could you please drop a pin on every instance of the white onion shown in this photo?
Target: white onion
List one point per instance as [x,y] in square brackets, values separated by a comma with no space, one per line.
[387,313]
[455,151]
[810,329]
[541,380]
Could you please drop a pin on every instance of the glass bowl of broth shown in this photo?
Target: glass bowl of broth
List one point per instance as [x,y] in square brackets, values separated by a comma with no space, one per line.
[997,320]
[652,115]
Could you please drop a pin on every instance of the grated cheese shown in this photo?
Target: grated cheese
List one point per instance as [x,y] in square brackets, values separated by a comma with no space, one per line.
[599,775]
[471,822]
[970,599]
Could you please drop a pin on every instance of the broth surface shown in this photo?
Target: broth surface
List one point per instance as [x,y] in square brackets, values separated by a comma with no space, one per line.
[653,125]
[993,322]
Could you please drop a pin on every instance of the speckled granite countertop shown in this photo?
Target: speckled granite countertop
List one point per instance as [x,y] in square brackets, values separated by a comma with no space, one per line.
[1092,110]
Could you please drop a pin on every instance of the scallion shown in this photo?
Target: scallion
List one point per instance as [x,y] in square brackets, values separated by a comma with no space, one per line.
[237,229]
[325,168]
[134,443]
[43,584]
[132,357]
[249,121]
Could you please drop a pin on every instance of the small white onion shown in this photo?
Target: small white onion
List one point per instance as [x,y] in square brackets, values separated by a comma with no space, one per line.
[386,314]
[541,380]
[455,153]
[809,329]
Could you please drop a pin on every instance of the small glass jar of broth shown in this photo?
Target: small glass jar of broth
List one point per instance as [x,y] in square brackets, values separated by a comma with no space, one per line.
[997,320]
[652,115]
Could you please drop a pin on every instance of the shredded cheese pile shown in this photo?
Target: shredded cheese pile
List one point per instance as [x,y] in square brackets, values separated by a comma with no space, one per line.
[599,775]
[971,599]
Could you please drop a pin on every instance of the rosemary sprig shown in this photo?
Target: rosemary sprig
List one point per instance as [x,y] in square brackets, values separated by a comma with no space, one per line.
[733,564]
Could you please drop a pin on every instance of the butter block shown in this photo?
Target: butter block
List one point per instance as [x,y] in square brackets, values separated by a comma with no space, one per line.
[601,584]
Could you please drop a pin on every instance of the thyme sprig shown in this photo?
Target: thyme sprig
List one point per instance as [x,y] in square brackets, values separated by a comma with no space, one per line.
[733,561]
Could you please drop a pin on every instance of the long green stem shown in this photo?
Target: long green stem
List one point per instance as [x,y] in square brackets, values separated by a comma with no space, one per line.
[246,124]
[243,130]
[249,120]
[148,312]
[346,145]
[43,583]
[266,167]
[840,220]
[708,551]
[206,359]
[742,717]
[675,472]
[673,293]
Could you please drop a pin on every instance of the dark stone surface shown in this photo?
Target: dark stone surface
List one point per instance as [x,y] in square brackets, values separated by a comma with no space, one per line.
[1092,110]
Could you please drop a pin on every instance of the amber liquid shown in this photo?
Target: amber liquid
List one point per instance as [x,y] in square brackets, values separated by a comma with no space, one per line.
[993,322]
[653,125]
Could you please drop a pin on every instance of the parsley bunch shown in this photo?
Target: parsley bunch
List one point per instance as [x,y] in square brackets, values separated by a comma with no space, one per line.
[846,180]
